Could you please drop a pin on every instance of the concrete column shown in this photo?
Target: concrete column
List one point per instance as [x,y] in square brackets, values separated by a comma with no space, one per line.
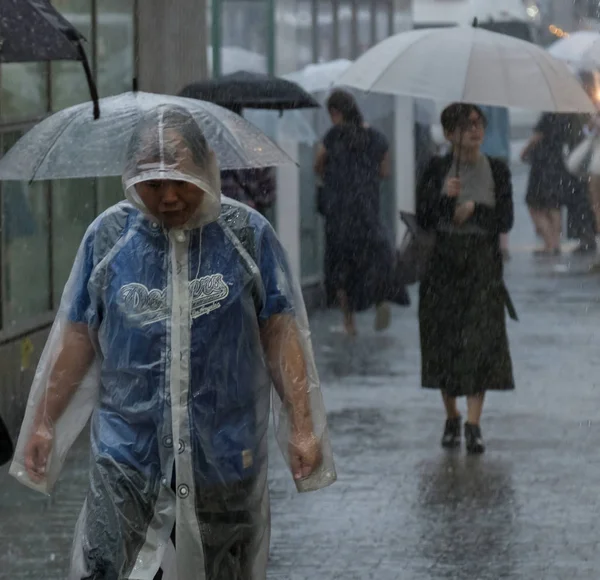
[404,158]
[404,153]
[172,39]
[288,176]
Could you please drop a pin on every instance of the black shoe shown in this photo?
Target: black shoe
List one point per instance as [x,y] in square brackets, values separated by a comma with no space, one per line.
[474,440]
[451,437]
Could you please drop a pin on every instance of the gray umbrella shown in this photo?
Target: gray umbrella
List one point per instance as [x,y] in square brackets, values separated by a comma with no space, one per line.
[71,144]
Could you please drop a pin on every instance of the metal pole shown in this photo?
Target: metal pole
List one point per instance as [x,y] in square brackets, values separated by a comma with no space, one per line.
[354,29]
[373,22]
[335,10]
[316,52]
[216,37]
[391,23]
[271,40]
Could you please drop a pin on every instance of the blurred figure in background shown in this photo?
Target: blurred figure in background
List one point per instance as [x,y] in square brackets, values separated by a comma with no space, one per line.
[257,188]
[550,184]
[351,161]
[496,143]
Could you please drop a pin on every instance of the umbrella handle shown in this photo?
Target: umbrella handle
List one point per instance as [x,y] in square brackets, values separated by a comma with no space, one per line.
[90,80]
[460,141]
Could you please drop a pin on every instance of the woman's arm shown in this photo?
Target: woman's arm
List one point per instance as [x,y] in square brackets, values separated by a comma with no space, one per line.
[320,160]
[433,208]
[531,144]
[385,167]
[499,219]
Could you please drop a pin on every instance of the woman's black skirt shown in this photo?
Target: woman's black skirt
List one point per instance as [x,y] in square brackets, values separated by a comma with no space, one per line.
[462,317]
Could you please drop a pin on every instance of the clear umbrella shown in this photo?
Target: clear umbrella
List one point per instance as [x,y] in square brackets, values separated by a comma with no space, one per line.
[578,49]
[71,144]
[289,126]
[468,64]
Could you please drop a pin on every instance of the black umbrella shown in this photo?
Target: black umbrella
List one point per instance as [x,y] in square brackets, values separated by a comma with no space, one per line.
[245,90]
[32,31]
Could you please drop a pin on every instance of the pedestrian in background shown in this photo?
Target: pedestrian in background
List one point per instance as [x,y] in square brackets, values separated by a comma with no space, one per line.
[352,160]
[466,199]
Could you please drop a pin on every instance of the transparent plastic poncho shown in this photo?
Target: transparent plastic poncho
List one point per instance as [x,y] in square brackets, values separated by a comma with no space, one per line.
[171,341]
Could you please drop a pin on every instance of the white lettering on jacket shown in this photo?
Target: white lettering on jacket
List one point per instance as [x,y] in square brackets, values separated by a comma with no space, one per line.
[144,306]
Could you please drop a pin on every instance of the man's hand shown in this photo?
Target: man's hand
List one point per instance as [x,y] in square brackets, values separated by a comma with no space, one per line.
[464,212]
[453,187]
[37,453]
[305,454]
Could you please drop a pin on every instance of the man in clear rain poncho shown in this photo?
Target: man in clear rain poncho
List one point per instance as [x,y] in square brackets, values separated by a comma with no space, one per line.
[179,314]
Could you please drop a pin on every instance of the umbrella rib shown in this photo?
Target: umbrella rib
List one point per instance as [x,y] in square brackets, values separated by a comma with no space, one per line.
[389,66]
[533,55]
[56,138]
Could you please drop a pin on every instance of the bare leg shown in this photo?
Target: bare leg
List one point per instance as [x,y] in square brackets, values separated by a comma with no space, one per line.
[544,227]
[475,408]
[450,405]
[555,219]
[349,322]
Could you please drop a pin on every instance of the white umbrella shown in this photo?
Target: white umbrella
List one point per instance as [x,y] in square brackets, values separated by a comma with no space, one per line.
[316,78]
[71,144]
[468,64]
[578,49]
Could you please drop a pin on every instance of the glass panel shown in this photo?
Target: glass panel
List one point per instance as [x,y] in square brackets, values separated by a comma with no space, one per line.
[110,192]
[383,20]
[311,246]
[115,46]
[345,24]
[73,209]
[23,90]
[364,27]
[388,202]
[325,32]
[245,26]
[69,85]
[26,288]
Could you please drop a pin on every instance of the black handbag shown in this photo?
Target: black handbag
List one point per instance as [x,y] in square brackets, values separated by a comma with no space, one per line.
[415,251]
[6,444]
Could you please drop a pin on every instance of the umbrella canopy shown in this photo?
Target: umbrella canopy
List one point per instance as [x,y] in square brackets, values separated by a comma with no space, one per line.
[70,144]
[468,64]
[291,126]
[32,30]
[578,49]
[316,78]
[246,90]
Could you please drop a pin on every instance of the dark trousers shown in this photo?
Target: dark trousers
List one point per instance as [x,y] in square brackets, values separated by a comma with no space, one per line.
[228,530]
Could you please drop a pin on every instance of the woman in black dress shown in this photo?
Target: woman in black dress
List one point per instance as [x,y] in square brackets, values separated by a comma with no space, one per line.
[352,161]
[464,345]
[550,184]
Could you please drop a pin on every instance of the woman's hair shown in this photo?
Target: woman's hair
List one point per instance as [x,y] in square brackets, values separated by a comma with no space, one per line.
[345,104]
[352,130]
[147,140]
[458,114]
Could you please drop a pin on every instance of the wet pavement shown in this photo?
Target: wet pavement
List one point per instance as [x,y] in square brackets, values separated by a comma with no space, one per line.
[403,509]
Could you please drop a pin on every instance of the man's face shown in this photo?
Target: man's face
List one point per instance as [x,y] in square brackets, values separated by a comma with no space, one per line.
[174,203]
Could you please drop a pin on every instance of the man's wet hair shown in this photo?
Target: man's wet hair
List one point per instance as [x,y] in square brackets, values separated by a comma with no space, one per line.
[457,115]
[145,145]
